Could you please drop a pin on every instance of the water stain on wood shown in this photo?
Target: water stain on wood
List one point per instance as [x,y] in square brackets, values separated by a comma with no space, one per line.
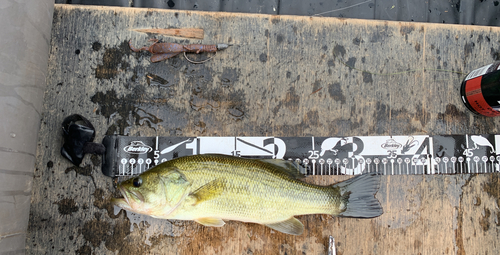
[292,100]
[95,231]
[131,109]
[67,206]
[85,170]
[263,57]
[229,77]
[367,77]
[405,30]
[453,114]
[492,188]
[112,62]
[484,220]
[102,200]
[84,250]
[339,50]
[336,93]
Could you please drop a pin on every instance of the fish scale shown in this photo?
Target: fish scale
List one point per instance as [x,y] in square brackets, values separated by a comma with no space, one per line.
[262,192]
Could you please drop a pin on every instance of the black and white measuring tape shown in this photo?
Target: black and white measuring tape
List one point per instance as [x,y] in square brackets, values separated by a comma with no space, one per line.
[387,155]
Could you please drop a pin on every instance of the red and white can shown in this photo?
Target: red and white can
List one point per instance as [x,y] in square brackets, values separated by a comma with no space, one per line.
[481,90]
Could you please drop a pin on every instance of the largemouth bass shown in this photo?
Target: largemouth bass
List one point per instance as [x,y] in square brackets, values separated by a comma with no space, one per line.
[212,188]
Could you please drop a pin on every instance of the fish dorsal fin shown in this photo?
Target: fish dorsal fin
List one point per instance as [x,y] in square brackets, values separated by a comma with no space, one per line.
[289,167]
[208,191]
[210,222]
[291,226]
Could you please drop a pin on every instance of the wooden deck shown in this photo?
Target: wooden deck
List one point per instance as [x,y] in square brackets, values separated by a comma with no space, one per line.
[284,76]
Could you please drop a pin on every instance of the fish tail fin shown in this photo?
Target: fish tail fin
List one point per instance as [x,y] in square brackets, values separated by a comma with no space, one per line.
[358,196]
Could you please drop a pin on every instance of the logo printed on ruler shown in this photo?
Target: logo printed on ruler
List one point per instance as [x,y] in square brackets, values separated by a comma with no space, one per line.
[391,144]
[411,142]
[137,147]
[481,141]
[173,147]
[332,145]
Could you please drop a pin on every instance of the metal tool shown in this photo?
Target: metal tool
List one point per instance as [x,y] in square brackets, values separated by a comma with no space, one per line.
[331,246]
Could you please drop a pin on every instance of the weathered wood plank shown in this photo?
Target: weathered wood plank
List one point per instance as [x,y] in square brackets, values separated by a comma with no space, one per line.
[285,76]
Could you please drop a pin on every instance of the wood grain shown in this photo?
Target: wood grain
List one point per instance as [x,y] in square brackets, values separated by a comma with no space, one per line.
[284,76]
[192,33]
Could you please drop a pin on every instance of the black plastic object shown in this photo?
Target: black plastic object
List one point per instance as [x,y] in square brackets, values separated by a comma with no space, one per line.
[78,135]
[481,90]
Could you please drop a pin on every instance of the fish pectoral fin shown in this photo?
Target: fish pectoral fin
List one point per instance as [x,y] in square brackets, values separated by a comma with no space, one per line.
[210,222]
[291,226]
[208,191]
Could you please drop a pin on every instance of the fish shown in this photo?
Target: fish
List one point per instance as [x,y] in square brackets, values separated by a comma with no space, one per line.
[212,188]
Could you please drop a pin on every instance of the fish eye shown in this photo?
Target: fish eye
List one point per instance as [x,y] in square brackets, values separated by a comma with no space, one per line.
[137,182]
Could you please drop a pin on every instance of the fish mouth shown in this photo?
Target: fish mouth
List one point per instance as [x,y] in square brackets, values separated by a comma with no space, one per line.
[123,201]
[124,194]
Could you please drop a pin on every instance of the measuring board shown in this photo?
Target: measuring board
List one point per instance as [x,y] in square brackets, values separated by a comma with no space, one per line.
[387,155]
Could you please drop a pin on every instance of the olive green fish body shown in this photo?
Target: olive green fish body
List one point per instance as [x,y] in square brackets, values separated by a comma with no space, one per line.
[213,188]
[252,191]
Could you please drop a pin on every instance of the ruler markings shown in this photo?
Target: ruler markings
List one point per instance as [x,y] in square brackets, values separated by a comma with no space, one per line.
[388,155]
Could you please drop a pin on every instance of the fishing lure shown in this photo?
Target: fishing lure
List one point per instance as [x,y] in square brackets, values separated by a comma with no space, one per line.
[163,51]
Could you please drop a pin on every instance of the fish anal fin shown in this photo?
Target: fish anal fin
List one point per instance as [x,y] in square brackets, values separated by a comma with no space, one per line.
[208,191]
[291,226]
[210,222]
